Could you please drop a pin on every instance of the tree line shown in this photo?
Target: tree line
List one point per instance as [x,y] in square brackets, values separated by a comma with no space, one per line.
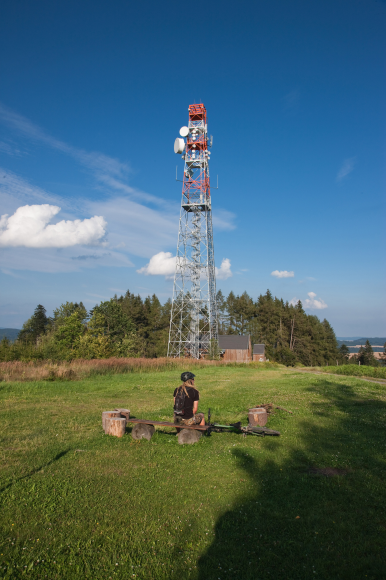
[129,326]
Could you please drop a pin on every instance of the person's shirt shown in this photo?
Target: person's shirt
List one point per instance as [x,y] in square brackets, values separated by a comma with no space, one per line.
[189,400]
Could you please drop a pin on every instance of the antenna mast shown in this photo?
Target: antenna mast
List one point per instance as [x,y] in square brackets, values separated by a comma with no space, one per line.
[193,320]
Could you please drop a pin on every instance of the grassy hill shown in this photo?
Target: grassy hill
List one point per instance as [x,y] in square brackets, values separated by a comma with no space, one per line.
[77,503]
[377,340]
[10,333]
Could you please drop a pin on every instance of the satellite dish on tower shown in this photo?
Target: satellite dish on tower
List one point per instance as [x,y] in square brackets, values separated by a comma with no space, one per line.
[179,145]
[184,131]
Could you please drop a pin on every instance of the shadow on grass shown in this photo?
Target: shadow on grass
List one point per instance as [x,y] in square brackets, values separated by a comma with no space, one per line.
[291,522]
[36,470]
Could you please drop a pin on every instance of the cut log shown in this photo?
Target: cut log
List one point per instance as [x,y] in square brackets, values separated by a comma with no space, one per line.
[108,415]
[116,426]
[143,431]
[124,413]
[257,416]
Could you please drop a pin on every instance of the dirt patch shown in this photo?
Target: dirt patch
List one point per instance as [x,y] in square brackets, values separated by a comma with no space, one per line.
[327,471]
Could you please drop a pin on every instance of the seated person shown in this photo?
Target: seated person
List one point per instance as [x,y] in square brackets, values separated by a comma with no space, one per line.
[186,398]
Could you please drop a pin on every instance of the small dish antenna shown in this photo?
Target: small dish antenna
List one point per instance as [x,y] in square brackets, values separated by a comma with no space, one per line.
[179,145]
[184,131]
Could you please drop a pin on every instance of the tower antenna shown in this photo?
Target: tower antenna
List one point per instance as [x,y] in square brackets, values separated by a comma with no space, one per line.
[193,319]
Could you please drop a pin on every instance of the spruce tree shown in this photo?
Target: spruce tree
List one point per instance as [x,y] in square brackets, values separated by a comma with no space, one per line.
[34,327]
[366,355]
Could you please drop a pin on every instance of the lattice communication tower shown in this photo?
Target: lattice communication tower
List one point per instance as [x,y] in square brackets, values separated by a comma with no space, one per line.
[193,320]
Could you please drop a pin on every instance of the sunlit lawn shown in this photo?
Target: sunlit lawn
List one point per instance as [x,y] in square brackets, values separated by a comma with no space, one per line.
[77,503]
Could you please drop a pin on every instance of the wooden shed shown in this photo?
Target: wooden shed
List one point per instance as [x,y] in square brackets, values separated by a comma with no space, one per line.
[259,352]
[235,347]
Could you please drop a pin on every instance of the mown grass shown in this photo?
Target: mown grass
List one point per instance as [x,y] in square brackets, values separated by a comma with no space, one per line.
[76,503]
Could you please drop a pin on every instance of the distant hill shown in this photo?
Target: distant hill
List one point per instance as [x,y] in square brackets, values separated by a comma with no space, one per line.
[353,342]
[10,333]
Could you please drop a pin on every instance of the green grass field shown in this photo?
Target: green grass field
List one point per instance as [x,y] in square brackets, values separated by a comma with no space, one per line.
[76,503]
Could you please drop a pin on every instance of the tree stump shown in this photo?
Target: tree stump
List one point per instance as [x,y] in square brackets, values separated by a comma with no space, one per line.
[124,413]
[108,415]
[116,426]
[143,431]
[189,436]
[257,416]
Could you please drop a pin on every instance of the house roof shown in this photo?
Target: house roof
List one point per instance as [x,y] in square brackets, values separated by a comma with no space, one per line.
[233,342]
[258,348]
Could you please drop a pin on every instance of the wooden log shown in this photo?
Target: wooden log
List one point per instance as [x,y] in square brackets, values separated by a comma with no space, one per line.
[116,426]
[257,416]
[108,415]
[124,413]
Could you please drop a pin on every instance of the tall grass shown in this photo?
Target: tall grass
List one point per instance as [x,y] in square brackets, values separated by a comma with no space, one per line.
[81,368]
[356,371]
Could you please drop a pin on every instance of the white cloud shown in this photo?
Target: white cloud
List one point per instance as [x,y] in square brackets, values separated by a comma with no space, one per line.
[347,167]
[224,271]
[312,303]
[28,227]
[282,274]
[163,263]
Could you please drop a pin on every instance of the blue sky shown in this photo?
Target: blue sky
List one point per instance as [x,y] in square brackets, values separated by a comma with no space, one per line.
[92,96]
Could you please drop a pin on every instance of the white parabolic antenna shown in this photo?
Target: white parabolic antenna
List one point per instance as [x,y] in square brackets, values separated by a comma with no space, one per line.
[184,131]
[179,145]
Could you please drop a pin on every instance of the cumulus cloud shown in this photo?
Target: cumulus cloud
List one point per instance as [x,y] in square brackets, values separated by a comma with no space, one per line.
[282,274]
[163,263]
[29,227]
[224,271]
[312,303]
[347,167]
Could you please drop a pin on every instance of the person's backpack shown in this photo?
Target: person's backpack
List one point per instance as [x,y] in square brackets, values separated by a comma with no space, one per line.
[180,402]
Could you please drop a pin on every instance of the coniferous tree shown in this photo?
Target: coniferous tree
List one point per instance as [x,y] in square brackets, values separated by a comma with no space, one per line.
[366,355]
[221,312]
[116,323]
[130,326]
[35,327]
[67,309]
